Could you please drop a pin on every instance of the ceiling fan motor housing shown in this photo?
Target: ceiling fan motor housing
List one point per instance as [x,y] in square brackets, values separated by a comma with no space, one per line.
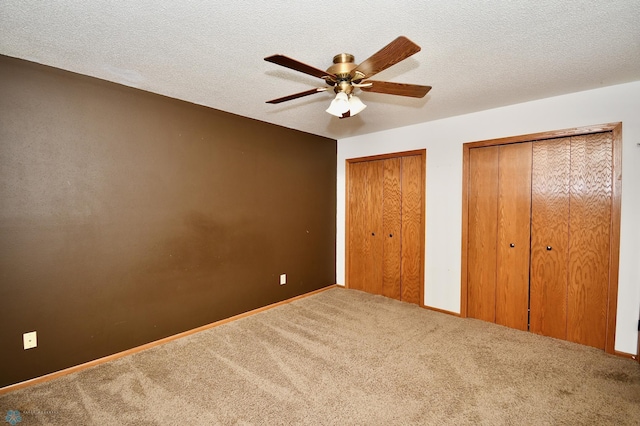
[343,64]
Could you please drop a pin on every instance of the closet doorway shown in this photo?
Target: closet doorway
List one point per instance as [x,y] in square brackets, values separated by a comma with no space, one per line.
[385,225]
[541,233]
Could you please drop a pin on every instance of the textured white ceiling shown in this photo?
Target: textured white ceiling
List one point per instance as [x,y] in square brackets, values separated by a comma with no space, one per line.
[476,54]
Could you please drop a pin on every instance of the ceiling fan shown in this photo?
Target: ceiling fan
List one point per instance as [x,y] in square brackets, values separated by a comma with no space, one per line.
[344,76]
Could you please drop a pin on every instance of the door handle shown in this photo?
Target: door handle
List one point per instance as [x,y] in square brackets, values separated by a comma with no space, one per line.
[548,248]
[512,245]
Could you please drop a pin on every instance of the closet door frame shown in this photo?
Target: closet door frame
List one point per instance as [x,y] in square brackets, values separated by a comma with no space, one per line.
[423,158]
[614,255]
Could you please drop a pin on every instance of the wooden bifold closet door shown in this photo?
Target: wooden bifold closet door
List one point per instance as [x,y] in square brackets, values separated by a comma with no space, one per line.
[385,231]
[571,235]
[499,218]
[539,236]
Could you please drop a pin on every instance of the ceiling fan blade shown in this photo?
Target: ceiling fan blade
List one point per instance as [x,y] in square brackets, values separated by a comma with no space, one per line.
[297,95]
[394,52]
[298,66]
[401,89]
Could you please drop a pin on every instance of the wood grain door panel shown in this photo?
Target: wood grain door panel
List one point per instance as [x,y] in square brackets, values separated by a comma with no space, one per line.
[589,245]
[358,226]
[365,221]
[482,232]
[550,237]
[412,195]
[392,231]
[513,245]
[373,274]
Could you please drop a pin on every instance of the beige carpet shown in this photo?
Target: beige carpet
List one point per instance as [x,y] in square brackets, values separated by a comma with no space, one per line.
[343,357]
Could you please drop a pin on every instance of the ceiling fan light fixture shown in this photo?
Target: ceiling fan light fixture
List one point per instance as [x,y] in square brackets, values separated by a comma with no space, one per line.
[339,105]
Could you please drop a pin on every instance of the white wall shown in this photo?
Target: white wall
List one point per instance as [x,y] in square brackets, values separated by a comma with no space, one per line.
[443,141]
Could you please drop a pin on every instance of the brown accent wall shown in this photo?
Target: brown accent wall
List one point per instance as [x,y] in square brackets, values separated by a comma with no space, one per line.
[126,216]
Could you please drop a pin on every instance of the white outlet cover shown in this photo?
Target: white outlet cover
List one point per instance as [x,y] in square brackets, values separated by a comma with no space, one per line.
[283,279]
[30,340]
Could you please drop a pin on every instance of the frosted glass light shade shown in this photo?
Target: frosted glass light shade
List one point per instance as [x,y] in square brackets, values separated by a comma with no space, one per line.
[355,105]
[339,105]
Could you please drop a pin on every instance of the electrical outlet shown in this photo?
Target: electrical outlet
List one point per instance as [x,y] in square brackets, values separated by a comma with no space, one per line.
[283,279]
[30,340]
